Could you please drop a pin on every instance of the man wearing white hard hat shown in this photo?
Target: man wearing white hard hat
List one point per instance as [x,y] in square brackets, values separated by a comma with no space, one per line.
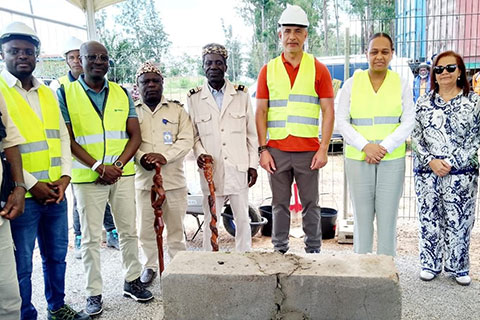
[72,57]
[292,89]
[47,164]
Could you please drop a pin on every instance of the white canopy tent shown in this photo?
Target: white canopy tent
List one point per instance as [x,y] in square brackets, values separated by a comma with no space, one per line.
[90,7]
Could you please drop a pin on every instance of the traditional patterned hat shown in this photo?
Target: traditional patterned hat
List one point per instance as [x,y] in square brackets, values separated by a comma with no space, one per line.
[148,67]
[215,48]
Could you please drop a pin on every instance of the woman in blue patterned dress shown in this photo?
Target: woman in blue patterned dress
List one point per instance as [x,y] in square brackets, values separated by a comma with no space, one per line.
[445,143]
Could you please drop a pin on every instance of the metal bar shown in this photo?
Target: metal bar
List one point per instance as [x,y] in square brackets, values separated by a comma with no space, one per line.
[41,18]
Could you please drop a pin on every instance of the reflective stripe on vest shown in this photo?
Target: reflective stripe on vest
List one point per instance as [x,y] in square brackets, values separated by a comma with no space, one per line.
[293,110]
[103,137]
[41,152]
[375,115]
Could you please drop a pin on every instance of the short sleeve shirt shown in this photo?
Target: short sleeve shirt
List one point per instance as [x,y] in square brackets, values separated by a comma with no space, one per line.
[324,89]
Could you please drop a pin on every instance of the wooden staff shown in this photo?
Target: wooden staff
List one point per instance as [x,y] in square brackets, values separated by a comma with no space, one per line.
[157,196]
[208,172]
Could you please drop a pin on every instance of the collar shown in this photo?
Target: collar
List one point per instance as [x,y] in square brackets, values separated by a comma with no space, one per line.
[11,80]
[87,88]
[213,91]
[163,103]
[285,61]
[70,76]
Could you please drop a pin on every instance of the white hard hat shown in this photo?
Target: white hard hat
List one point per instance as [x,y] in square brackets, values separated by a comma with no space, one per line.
[71,44]
[293,15]
[19,30]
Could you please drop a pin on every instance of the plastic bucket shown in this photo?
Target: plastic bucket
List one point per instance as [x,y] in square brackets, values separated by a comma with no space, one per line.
[266,212]
[329,220]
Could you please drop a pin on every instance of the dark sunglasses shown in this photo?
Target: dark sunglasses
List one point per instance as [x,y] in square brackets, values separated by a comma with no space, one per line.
[450,68]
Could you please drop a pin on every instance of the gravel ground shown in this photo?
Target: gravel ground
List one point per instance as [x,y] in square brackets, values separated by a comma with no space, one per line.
[441,298]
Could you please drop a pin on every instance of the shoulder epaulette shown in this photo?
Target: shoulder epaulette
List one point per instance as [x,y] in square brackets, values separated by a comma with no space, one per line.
[176,102]
[193,91]
[137,102]
[241,87]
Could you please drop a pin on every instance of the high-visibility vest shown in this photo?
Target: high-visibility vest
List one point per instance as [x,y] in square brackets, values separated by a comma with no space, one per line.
[103,136]
[292,110]
[41,152]
[63,80]
[375,115]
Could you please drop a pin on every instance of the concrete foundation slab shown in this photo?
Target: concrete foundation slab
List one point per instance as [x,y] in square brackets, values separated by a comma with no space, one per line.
[220,285]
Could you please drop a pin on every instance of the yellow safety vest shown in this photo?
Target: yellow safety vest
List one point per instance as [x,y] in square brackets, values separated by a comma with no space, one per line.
[103,136]
[375,115]
[63,80]
[292,110]
[41,152]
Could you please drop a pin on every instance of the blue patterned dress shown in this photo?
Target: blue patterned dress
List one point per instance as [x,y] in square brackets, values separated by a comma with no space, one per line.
[446,205]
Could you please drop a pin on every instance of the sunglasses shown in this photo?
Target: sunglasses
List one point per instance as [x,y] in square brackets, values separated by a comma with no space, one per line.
[450,68]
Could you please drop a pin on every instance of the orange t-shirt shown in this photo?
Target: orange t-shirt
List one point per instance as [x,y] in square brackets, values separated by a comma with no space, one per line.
[324,89]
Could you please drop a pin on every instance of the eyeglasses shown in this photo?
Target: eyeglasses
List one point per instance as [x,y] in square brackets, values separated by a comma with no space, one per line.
[450,68]
[26,52]
[94,57]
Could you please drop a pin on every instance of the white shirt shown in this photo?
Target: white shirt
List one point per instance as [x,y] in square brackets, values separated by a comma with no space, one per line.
[31,97]
[391,142]
[218,95]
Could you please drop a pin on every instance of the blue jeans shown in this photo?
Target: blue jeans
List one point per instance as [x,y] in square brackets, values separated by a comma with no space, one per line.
[48,223]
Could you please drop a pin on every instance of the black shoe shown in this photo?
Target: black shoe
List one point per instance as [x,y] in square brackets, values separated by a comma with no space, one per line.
[136,290]
[67,313]
[94,305]
[147,277]
[282,251]
[312,250]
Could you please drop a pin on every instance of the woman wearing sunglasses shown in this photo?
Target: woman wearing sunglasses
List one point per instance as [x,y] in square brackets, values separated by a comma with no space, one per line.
[445,143]
[375,116]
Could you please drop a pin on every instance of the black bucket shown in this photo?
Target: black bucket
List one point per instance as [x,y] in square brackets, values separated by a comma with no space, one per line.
[329,220]
[266,212]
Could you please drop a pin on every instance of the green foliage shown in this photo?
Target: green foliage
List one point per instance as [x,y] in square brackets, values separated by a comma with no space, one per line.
[235,59]
[138,36]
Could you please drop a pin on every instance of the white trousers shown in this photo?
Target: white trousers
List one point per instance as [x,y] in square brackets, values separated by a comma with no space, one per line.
[239,205]
[174,208]
[91,201]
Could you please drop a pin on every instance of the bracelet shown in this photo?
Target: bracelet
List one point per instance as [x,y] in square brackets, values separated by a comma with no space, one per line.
[262,149]
[96,165]
[20,185]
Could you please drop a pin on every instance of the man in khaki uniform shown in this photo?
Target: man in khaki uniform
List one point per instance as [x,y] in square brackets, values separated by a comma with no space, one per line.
[224,129]
[167,136]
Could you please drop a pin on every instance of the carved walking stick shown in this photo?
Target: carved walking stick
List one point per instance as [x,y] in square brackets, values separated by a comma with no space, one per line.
[208,172]
[157,196]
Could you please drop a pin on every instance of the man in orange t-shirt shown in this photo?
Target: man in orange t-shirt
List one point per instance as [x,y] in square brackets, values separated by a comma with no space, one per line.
[296,151]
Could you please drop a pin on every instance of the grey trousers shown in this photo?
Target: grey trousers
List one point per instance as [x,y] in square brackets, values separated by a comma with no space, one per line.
[375,190]
[295,165]
[10,301]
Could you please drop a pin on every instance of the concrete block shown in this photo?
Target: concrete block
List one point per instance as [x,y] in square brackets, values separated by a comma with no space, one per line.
[220,285]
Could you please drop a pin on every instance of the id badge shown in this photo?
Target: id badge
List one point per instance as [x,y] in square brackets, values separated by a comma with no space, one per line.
[167,137]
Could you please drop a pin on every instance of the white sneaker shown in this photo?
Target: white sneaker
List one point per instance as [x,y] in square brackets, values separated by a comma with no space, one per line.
[464,280]
[426,275]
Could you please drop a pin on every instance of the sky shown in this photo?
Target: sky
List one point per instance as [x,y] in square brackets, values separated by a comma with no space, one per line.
[189,23]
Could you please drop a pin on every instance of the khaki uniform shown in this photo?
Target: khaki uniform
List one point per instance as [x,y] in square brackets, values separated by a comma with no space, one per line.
[168,131]
[10,300]
[227,134]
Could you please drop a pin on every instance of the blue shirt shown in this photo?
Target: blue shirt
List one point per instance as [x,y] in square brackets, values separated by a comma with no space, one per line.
[98,99]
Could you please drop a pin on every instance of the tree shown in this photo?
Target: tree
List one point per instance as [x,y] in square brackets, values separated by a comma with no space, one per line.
[233,45]
[375,16]
[138,36]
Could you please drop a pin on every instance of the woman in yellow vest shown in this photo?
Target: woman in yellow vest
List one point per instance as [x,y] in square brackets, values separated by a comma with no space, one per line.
[375,116]
[445,144]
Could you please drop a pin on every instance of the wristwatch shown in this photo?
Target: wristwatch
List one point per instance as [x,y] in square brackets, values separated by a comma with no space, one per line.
[261,149]
[21,185]
[118,164]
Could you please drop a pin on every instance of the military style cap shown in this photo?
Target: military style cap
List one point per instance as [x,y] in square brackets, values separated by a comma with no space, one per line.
[148,67]
[215,48]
